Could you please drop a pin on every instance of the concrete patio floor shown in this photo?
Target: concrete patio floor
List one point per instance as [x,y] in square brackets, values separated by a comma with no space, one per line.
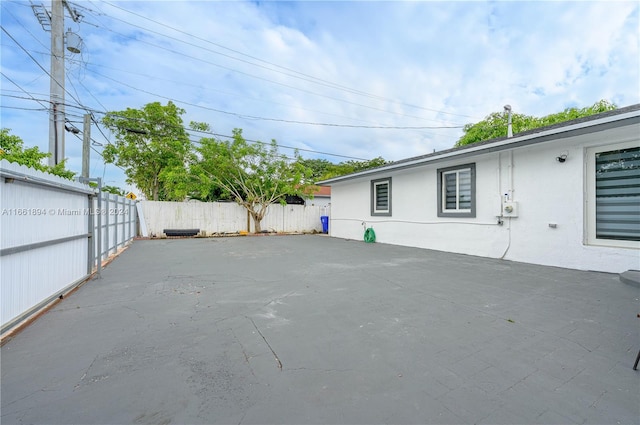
[312,329]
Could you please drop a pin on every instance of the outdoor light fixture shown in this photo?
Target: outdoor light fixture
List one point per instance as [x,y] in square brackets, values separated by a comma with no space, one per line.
[561,158]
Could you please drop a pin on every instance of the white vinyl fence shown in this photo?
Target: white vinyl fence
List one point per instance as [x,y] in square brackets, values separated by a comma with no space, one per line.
[53,234]
[228,217]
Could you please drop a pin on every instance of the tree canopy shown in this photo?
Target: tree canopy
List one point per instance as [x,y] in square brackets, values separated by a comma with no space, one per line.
[321,169]
[157,155]
[255,175]
[495,124]
[152,146]
[12,149]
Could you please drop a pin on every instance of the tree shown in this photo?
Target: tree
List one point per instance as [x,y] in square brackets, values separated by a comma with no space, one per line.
[113,190]
[349,167]
[318,167]
[152,146]
[253,175]
[495,124]
[12,149]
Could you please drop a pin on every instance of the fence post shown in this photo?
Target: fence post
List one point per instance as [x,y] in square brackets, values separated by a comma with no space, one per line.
[91,232]
[99,228]
[115,226]
[105,248]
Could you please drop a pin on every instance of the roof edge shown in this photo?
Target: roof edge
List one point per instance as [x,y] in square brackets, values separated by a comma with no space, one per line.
[540,134]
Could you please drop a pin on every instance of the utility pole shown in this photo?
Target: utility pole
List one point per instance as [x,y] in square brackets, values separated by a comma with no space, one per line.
[56,120]
[86,145]
[53,22]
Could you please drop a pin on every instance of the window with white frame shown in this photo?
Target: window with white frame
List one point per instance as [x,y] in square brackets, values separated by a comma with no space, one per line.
[613,195]
[457,191]
[381,197]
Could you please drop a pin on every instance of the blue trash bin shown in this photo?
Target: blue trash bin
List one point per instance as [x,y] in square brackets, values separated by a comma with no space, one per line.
[325,223]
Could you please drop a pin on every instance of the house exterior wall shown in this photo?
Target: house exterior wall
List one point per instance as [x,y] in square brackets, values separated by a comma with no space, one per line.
[319,201]
[552,199]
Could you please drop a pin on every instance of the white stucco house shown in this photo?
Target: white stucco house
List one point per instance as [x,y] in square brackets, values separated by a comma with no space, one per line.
[321,197]
[566,195]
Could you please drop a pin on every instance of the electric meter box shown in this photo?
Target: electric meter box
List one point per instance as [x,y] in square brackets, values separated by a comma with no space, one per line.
[509,209]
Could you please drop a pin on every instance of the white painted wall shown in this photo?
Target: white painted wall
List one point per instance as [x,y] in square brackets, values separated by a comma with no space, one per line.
[227,217]
[546,190]
[319,201]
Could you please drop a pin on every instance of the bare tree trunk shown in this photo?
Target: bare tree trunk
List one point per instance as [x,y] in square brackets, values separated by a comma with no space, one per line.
[155,188]
[256,222]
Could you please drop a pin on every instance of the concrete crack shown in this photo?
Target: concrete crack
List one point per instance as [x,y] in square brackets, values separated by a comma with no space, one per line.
[266,342]
[135,311]
[20,399]
[519,382]
[595,402]
[84,375]
[246,356]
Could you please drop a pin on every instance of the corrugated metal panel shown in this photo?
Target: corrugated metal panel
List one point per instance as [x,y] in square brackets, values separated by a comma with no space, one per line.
[32,213]
[37,210]
[44,230]
[30,277]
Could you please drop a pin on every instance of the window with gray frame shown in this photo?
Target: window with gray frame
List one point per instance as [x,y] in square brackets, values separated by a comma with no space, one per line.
[618,194]
[457,191]
[381,197]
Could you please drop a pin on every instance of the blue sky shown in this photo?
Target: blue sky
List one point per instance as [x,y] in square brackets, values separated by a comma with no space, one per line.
[322,76]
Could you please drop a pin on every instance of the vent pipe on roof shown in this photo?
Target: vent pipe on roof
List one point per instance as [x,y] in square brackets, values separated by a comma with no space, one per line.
[507,109]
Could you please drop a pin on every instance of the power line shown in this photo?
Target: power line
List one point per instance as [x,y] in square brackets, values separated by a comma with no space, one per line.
[93,119]
[262,79]
[281,146]
[40,66]
[255,76]
[94,143]
[24,109]
[200,87]
[18,86]
[92,111]
[253,117]
[303,76]
[6,9]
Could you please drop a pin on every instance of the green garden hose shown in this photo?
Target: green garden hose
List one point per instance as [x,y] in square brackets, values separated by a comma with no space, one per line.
[369,235]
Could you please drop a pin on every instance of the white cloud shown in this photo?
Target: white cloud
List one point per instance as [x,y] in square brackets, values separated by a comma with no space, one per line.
[408,63]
